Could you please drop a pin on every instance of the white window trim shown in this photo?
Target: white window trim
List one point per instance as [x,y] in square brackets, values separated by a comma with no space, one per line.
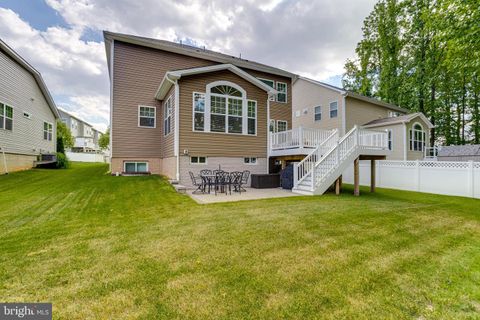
[315,114]
[412,137]
[198,163]
[286,91]
[208,95]
[250,163]
[43,131]
[154,117]
[330,109]
[169,115]
[256,117]
[136,162]
[5,116]
[286,125]
[204,111]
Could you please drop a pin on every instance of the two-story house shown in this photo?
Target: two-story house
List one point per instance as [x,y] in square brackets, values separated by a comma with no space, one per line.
[177,108]
[84,134]
[27,114]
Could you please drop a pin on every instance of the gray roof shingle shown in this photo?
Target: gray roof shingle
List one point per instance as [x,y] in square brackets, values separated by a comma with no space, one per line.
[456,151]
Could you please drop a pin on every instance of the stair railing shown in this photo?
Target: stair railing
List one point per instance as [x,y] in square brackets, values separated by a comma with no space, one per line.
[304,167]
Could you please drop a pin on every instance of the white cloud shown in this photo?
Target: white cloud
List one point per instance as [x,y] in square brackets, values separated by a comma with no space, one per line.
[312,38]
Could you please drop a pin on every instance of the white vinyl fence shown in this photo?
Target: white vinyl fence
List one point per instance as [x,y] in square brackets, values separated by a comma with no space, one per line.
[440,177]
[85,157]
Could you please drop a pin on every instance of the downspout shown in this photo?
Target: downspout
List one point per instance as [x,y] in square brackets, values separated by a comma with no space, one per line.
[404,141]
[268,132]
[176,133]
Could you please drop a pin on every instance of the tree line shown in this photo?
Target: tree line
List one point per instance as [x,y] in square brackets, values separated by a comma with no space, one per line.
[423,55]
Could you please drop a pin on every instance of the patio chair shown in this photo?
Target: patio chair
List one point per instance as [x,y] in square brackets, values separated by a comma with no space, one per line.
[245,176]
[236,181]
[195,183]
[221,181]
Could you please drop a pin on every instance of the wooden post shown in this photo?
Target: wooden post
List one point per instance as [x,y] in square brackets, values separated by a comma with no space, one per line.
[356,177]
[341,181]
[337,186]
[372,175]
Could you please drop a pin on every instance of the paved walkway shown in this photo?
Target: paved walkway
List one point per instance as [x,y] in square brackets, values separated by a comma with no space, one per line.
[251,194]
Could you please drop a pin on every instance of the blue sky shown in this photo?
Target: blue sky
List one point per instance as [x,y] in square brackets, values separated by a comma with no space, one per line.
[63,38]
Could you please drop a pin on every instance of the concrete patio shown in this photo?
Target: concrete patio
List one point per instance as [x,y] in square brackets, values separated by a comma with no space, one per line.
[250,194]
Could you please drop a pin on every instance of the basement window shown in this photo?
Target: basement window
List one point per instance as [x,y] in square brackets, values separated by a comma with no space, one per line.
[135,167]
[198,160]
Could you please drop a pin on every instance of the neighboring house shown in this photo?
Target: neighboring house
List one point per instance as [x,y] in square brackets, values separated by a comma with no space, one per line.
[177,108]
[323,106]
[85,135]
[459,153]
[27,114]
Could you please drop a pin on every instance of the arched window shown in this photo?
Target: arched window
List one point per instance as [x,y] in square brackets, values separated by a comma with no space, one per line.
[225,109]
[417,137]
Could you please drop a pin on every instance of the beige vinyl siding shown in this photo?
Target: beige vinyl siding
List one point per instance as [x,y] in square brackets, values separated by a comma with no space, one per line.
[417,155]
[138,71]
[19,89]
[307,95]
[221,144]
[397,140]
[359,112]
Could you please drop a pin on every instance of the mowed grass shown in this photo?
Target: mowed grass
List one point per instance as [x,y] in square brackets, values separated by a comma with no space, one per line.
[103,247]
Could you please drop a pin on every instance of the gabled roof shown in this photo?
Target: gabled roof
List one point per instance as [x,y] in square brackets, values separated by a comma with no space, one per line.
[457,151]
[351,94]
[36,75]
[401,119]
[190,51]
[171,76]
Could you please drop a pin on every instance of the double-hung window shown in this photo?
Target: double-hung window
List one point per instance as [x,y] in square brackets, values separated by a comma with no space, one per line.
[333,109]
[281,125]
[47,131]
[218,110]
[318,113]
[235,119]
[252,117]
[146,116]
[167,116]
[282,92]
[417,138]
[198,111]
[6,117]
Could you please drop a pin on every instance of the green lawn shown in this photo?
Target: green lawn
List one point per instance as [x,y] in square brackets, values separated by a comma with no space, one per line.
[102,247]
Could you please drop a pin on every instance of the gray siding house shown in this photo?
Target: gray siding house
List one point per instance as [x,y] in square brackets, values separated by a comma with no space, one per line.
[27,113]
[85,135]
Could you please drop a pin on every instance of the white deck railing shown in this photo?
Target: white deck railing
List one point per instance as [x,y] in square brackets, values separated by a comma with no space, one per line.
[298,138]
[329,161]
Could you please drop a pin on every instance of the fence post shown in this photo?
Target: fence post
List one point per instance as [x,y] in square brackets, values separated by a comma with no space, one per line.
[471,178]
[417,174]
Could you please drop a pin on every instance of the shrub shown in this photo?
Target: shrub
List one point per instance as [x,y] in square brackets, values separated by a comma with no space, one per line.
[62,161]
